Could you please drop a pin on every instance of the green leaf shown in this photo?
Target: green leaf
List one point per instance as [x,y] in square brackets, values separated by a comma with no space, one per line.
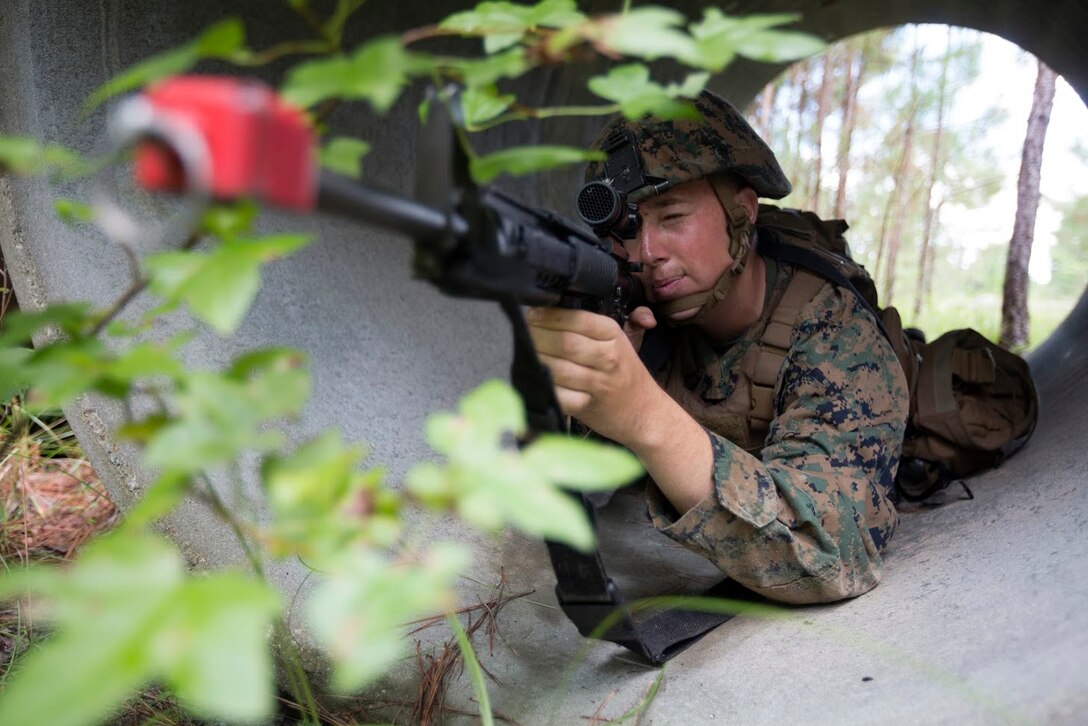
[219,286]
[144,360]
[20,326]
[377,72]
[222,39]
[775,46]
[170,271]
[255,362]
[344,155]
[719,37]
[72,681]
[444,433]
[492,486]
[551,514]
[166,493]
[279,391]
[519,160]
[228,221]
[218,419]
[313,81]
[73,213]
[22,155]
[356,614]
[496,42]
[224,289]
[313,479]
[495,407]
[121,583]
[220,416]
[13,371]
[214,646]
[172,62]
[143,430]
[581,464]
[630,86]
[555,14]
[489,69]
[647,32]
[207,636]
[483,103]
[504,24]
[61,371]
[219,41]
[428,481]
[508,490]
[490,18]
[322,506]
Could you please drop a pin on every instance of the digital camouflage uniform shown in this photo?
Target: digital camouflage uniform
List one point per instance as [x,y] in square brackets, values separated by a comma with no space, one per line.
[801,516]
[804,517]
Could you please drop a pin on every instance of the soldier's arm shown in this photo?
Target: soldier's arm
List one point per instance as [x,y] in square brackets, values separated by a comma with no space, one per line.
[601,381]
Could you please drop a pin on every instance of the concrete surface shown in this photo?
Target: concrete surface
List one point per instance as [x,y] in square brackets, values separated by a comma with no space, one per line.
[981,617]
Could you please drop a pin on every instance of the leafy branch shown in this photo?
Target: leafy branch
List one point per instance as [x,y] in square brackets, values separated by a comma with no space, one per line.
[205,636]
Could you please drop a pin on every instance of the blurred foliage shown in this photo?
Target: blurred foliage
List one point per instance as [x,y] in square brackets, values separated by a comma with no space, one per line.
[127,613]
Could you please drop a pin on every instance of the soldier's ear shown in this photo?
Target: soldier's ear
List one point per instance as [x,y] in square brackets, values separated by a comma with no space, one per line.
[747,198]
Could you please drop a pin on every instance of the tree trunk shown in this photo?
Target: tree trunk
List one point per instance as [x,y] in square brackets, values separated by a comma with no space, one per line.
[823,102]
[1014,304]
[898,207]
[896,210]
[852,82]
[800,77]
[765,110]
[921,288]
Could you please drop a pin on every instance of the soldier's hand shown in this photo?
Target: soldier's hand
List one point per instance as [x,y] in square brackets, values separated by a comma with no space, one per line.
[599,378]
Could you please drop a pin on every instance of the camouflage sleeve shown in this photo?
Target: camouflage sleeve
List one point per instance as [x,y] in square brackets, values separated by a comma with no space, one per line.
[805,521]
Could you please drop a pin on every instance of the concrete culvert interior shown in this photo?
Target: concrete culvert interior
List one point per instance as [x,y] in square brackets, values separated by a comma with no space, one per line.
[981,615]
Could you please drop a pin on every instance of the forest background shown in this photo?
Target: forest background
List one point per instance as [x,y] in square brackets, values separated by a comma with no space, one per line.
[914,136]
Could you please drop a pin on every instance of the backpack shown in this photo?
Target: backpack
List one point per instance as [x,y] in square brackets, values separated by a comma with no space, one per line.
[972,403]
[973,406]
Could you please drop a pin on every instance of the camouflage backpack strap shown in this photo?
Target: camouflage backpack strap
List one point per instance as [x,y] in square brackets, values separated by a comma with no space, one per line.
[825,248]
[774,346]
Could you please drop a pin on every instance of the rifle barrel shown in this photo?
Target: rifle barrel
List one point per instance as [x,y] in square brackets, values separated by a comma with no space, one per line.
[358,200]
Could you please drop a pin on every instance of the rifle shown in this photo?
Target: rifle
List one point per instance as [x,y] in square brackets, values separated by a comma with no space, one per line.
[212,137]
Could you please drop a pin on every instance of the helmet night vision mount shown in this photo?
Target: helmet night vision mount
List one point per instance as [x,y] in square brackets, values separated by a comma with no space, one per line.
[610,205]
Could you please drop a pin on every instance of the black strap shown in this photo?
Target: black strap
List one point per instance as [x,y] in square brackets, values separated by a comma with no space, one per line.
[772,245]
[585,591]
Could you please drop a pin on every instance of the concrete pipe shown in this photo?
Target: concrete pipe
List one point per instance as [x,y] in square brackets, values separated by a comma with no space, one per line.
[980,616]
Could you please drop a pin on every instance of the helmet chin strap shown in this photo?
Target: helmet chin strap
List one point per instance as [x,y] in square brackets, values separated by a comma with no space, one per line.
[740,235]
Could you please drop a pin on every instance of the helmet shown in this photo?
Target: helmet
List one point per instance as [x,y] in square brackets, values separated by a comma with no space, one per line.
[647,156]
[674,152]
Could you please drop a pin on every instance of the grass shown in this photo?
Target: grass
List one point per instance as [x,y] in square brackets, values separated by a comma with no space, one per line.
[51,502]
[983,313]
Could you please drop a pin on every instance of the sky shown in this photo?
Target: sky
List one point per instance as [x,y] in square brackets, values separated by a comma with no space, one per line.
[1008,76]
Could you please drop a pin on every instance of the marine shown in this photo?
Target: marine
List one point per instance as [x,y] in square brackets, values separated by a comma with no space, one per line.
[764,400]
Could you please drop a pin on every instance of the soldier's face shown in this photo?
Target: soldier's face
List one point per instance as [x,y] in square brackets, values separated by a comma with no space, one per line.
[683,244]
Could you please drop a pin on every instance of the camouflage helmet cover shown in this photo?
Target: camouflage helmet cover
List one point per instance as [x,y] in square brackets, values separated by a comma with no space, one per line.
[687,149]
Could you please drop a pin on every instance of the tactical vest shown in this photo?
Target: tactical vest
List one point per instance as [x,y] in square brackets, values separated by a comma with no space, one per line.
[745,416]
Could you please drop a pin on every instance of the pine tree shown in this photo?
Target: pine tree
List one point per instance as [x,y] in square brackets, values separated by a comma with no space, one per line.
[1014,303]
